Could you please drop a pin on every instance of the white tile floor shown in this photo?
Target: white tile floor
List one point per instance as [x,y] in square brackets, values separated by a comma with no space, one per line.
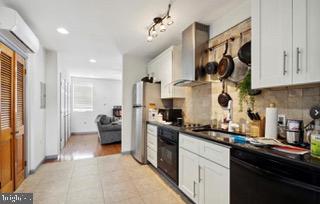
[115,179]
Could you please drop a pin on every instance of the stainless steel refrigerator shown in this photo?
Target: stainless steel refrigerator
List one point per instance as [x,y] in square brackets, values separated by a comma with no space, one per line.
[143,94]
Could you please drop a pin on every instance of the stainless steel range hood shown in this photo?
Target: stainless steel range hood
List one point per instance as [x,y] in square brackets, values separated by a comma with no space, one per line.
[194,41]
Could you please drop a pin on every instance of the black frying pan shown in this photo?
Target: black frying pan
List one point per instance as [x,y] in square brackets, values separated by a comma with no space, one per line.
[226,64]
[244,53]
[224,97]
[212,67]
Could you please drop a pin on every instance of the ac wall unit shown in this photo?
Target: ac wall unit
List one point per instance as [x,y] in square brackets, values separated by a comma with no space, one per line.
[14,29]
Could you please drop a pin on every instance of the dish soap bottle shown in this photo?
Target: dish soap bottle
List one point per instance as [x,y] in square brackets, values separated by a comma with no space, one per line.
[315,140]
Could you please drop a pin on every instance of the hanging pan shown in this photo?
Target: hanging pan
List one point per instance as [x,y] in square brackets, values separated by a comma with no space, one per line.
[240,69]
[212,67]
[224,97]
[226,64]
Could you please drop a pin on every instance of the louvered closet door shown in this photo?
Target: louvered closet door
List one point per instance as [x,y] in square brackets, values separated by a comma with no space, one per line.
[19,120]
[6,121]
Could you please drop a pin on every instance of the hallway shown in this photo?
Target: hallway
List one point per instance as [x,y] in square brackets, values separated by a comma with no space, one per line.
[109,179]
[80,146]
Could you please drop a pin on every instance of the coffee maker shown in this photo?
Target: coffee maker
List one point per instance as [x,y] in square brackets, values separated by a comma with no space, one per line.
[294,132]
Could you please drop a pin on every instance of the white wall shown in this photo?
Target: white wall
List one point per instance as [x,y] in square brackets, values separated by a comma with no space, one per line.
[134,68]
[106,94]
[53,108]
[230,19]
[36,117]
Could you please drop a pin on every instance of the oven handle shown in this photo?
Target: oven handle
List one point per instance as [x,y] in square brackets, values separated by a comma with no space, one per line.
[167,141]
[271,175]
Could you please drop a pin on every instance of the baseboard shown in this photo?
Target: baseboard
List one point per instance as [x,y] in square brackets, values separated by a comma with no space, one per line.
[51,157]
[32,171]
[84,133]
[125,152]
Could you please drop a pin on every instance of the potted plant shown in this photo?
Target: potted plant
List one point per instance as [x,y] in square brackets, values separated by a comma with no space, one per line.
[246,94]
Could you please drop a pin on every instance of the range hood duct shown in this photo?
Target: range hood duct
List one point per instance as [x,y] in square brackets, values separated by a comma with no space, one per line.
[194,42]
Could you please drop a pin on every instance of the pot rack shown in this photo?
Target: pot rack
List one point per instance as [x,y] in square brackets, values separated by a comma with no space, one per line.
[227,40]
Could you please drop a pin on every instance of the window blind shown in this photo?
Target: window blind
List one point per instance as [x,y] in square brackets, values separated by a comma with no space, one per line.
[82,97]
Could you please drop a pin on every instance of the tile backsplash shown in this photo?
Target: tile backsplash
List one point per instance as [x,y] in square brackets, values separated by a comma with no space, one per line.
[201,102]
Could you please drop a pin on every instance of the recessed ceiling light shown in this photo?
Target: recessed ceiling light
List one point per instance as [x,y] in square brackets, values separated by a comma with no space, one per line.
[62,30]
[92,60]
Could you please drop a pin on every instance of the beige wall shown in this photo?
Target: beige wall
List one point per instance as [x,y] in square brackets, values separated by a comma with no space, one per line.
[201,102]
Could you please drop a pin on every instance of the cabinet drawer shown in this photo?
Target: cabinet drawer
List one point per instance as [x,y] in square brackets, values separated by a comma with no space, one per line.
[189,143]
[152,157]
[152,129]
[215,153]
[152,142]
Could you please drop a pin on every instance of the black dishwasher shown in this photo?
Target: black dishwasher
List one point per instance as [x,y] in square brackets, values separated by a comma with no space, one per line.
[257,179]
[168,148]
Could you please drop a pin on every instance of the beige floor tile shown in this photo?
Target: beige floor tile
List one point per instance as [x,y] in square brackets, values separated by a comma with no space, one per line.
[98,200]
[160,197]
[114,177]
[148,185]
[119,192]
[134,200]
[51,200]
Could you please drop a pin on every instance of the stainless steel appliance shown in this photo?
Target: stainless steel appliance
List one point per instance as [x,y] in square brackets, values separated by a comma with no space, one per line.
[194,42]
[144,93]
[260,179]
[170,114]
[168,147]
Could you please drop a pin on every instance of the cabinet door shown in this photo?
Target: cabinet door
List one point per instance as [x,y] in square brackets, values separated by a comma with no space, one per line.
[214,183]
[6,121]
[271,43]
[153,69]
[166,73]
[306,32]
[19,121]
[189,174]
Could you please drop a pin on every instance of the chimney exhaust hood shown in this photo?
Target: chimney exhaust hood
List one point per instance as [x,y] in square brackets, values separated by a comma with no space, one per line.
[194,42]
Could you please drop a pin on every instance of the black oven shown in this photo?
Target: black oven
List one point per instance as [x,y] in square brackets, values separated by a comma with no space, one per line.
[168,148]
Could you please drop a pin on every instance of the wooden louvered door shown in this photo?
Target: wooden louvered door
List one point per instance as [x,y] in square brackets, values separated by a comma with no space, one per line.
[19,120]
[6,121]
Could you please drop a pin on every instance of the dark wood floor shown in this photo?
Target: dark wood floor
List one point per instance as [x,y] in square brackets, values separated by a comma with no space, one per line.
[86,146]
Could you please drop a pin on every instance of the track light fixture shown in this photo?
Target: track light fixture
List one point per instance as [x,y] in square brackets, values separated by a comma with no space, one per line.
[164,21]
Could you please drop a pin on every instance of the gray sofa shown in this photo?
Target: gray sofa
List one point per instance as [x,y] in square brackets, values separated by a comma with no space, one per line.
[109,129]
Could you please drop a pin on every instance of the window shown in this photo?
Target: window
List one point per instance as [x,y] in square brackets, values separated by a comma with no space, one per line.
[82,97]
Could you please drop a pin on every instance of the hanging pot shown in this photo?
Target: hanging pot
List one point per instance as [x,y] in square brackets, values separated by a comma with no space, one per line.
[212,67]
[224,97]
[226,64]
[244,53]
[240,69]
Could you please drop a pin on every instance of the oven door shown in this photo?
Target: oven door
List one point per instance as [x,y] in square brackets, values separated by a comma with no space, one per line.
[168,158]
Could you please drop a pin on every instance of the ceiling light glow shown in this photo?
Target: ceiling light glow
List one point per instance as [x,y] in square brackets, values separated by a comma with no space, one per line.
[62,30]
[92,60]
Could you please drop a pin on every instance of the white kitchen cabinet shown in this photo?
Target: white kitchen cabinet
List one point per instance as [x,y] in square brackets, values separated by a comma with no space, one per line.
[166,68]
[203,177]
[285,42]
[152,144]
[306,42]
[189,174]
[214,183]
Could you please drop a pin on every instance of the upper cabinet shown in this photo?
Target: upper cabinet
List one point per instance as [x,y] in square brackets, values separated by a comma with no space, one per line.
[166,68]
[285,42]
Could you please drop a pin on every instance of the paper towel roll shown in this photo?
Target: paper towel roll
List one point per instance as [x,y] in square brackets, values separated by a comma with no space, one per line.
[271,129]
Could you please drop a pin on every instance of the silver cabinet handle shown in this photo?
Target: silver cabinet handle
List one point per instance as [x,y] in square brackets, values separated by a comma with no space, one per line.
[199,173]
[194,189]
[284,62]
[298,60]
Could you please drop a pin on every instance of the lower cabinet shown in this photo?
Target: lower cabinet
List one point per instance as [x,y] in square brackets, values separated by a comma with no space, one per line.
[214,183]
[152,144]
[189,174]
[202,180]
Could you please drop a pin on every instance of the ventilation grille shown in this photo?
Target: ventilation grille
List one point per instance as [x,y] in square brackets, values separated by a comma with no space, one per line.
[6,90]
[19,95]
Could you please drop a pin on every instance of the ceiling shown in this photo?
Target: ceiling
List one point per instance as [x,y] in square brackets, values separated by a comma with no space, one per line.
[107,29]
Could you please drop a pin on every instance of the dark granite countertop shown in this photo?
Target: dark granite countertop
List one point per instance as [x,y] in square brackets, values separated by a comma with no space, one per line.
[305,160]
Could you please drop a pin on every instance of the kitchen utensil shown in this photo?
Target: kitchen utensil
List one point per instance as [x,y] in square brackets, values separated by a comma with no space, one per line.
[226,64]
[224,97]
[240,69]
[244,53]
[258,116]
[249,113]
[212,67]
[315,112]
